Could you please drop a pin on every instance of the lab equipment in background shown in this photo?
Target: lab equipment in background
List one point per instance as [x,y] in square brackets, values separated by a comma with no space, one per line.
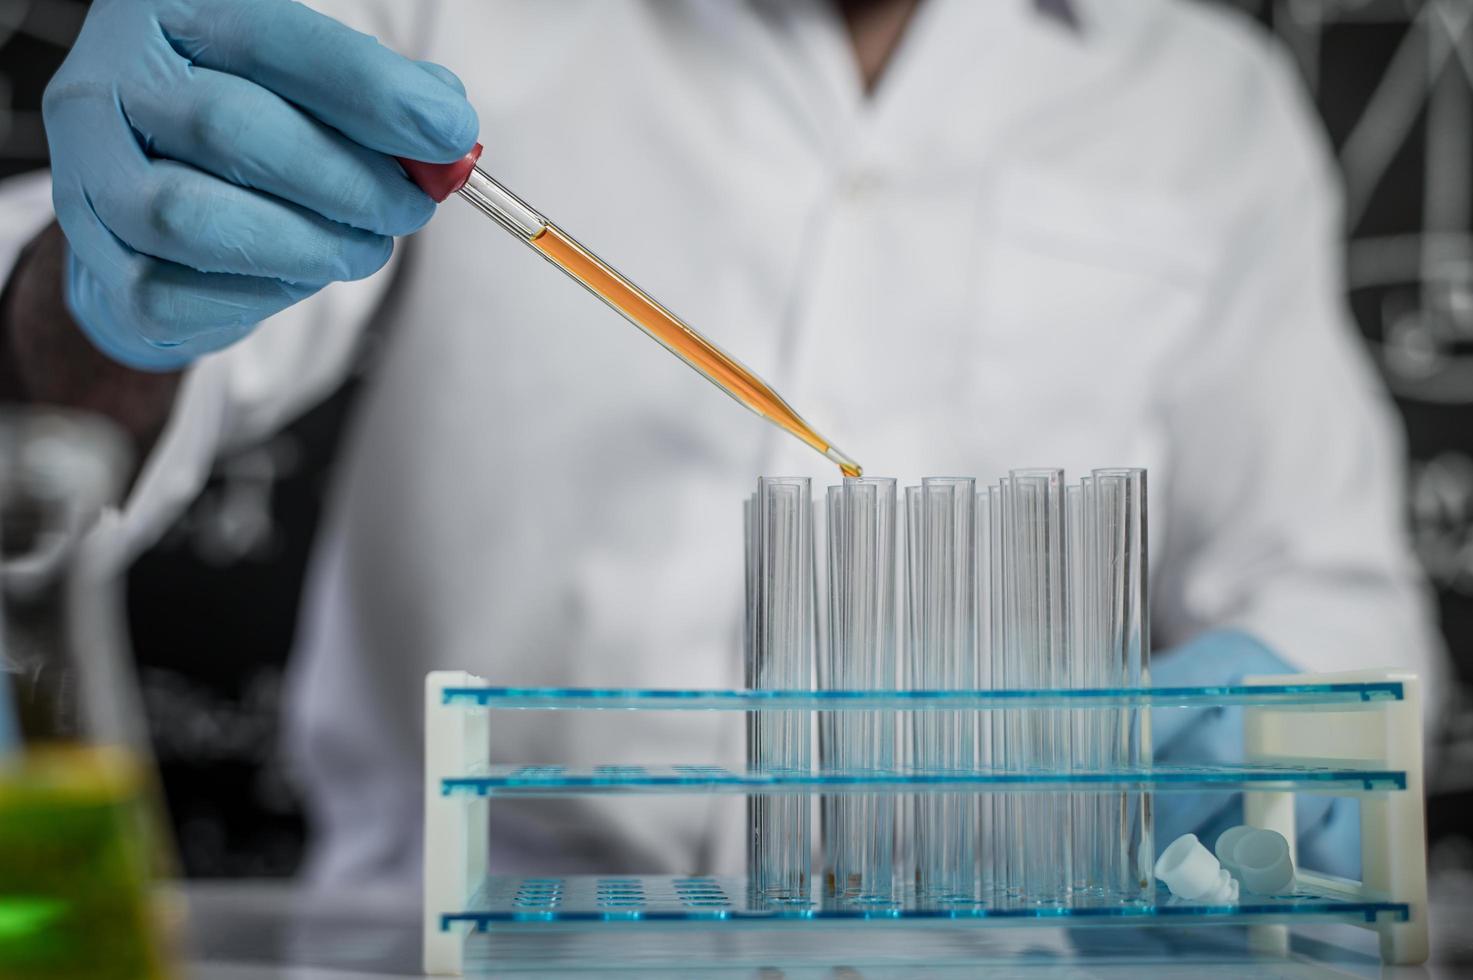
[9,727]
[779,637]
[1191,872]
[473,184]
[858,830]
[83,846]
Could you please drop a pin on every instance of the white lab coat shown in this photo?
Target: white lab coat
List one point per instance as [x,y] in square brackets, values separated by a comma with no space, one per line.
[1032,246]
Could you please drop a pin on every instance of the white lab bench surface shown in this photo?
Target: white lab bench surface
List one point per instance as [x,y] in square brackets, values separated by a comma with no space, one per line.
[252,930]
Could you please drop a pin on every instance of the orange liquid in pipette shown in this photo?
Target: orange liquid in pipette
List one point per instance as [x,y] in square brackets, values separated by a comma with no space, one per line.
[715,364]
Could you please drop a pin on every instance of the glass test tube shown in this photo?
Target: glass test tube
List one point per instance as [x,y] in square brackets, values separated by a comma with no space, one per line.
[1042,654]
[1086,670]
[944,509]
[1124,629]
[990,862]
[860,655]
[1007,673]
[1006,806]
[779,656]
[915,671]
[907,836]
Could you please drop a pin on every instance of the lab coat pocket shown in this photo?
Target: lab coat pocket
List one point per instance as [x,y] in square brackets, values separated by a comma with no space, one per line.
[1085,292]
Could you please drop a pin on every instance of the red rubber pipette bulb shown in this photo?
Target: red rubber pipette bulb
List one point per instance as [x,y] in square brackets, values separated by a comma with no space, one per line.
[440,180]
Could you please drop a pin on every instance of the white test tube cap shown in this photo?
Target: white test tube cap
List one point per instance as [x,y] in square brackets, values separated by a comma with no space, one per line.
[1263,864]
[1228,840]
[1190,871]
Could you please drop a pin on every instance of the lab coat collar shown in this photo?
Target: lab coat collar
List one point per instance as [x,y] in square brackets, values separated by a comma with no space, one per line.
[925,115]
[808,53]
[1061,11]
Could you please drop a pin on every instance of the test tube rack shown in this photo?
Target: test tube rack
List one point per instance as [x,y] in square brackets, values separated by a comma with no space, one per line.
[1342,734]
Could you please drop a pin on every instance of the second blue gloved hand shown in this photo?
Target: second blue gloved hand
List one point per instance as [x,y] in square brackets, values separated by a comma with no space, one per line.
[215,161]
[1328,830]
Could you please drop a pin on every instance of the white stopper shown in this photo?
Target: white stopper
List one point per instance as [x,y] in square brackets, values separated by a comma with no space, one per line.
[1226,892]
[1192,873]
[1228,840]
[1263,864]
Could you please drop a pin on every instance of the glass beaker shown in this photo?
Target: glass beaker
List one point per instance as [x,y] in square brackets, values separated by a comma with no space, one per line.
[82,844]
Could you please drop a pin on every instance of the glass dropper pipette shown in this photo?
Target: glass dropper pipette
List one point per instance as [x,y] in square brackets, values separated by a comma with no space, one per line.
[628,300]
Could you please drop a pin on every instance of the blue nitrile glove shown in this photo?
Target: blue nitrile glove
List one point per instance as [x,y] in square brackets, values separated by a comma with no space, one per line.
[215,161]
[1328,827]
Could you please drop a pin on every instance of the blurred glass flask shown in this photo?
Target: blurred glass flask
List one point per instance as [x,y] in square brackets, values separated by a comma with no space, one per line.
[82,842]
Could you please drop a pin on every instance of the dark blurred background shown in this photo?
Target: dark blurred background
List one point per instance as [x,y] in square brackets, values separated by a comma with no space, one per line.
[213,607]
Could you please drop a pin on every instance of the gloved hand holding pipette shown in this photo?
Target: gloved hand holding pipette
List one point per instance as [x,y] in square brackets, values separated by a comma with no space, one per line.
[215,162]
[262,177]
